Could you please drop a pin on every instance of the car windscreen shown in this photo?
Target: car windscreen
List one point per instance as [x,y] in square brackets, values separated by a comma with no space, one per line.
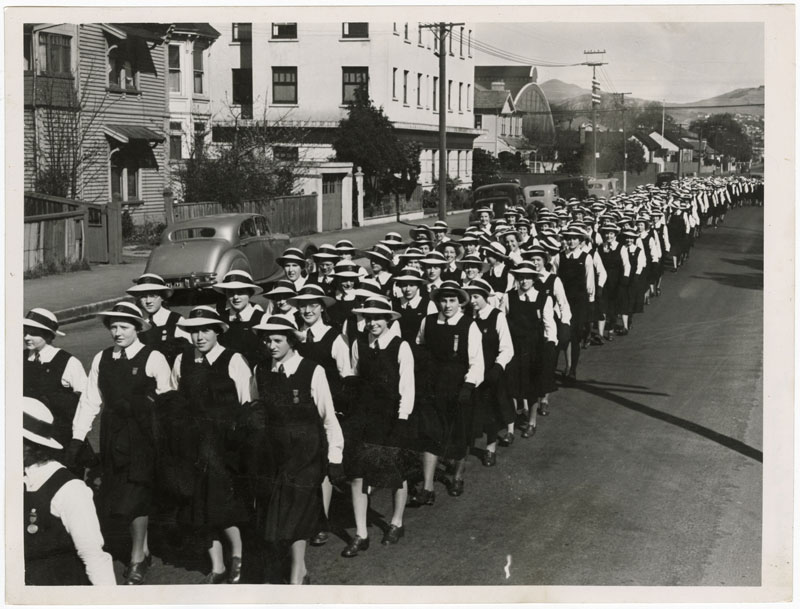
[536,193]
[492,192]
[597,185]
[199,232]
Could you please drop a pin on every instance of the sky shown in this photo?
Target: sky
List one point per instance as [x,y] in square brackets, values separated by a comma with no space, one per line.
[675,62]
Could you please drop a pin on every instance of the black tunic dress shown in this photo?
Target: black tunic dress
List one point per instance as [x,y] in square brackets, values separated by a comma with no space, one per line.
[127,446]
[163,339]
[382,457]
[612,261]
[50,555]
[526,330]
[572,272]
[241,338]
[219,497]
[43,381]
[444,424]
[290,465]
[494,409]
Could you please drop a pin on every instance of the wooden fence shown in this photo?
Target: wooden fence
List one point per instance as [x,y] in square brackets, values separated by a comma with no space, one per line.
[388,205]
[295,215]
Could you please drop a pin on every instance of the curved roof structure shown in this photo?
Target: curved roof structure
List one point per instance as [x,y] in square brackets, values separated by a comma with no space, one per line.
[537,120]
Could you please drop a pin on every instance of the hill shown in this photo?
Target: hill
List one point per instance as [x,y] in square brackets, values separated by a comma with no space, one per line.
[558,90]
[734,102]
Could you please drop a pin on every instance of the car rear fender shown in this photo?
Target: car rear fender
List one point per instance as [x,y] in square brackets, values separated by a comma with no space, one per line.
[232,260]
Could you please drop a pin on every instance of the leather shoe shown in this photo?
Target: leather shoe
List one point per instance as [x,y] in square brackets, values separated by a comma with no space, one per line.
[543,409]
[489,459]
[235,572]
[529,432]
[135,572]
[423,497]
[306,580]
[393,534]
[456,489]
[215,578]
[506,439]
[320,539]
[356,545]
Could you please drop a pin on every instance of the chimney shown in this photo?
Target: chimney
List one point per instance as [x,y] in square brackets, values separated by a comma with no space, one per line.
[498,85]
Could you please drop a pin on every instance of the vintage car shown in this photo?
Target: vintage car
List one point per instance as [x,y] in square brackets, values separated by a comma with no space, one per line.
[196,253]
[496,197]
[541,195]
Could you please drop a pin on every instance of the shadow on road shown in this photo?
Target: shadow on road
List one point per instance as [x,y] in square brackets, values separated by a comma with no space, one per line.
[756,264]
[740,447]
[751,281]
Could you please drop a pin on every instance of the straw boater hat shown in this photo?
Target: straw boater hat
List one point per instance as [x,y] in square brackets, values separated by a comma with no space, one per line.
[496,249]
[440,226]
[311,292]
[377,306]
[469,237]
[291,254]
[609,228]
[345,246]
[346,269]
[481,210]
[149,283]
[412,253]
[409,275]
[393,240]
[37,423]
[326,252]
[452,243]
[237,280]
[447,288]
[367,288]
[419,233]
[524,268]
[128,312]
[202,317]
[279,324]
[536,250]
[479,286]
[434,258]
[42,319]
[473,260]
[381,254]
[282,290]
[629,234]
[573,232]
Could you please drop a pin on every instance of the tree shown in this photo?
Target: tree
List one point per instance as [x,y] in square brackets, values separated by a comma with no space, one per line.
[511,162]
[248,161]
[367,138]
[725,135]
[612,156]
[485,168]
[649,118]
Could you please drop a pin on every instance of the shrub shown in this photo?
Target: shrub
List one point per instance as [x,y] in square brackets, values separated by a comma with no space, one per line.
[56,267]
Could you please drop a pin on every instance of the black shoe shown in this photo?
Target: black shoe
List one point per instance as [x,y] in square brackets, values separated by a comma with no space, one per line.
[543,409]
[529,432]
[306,579]
[135,572]
[356,545]
[215,578]
[393,535]
[489,459]
[235,572]
[597,340]
[320,539]
[456,489]
[423,497]
[506,439]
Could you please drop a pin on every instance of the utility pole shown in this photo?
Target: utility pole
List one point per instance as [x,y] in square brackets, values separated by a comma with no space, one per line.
[624,143]
[595,102]
[443,30]
[699,150]
[680,131]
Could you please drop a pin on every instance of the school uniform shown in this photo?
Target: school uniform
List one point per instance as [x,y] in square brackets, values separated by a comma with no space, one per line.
[164,335]
[240,336]
[576,271]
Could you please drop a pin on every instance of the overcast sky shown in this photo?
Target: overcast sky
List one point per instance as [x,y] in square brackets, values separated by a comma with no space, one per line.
[677,62]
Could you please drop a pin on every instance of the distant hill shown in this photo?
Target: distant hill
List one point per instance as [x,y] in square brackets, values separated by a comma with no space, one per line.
[558,90]
[727,102]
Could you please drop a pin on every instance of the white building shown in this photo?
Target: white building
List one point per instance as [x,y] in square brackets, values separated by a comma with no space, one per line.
[304,74]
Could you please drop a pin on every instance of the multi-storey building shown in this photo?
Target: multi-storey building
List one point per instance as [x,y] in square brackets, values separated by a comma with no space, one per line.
[304,74]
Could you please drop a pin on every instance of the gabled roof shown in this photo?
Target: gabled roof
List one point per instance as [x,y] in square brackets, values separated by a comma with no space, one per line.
[145,31]
[197,29]
[646,141]
[495,102]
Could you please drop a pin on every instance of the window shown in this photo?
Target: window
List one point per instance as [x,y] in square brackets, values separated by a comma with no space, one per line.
[394,28]
[469,95]
[124,177]
[242,85]
[405,31]
[286,153]
[450,40]
[460,93]
[199,137]
[405,86]
[55,53]
[450,95]
[122,69]
[355,30]
[435,92]
[419,35]
[284,31]
[461,42]
[502,125]
[458,163]
[284,85]
[175,141]
[469,43]
[27,51]
[419,89]
[199,75]
[394,83]
[248,229]
[242,32]
[352,79]
[174,68]
[479,121]
[427,85]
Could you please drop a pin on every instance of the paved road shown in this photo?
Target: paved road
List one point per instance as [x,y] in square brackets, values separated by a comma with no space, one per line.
[648,472]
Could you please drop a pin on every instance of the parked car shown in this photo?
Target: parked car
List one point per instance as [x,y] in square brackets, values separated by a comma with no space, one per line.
[194,254]
[541,195]
[603,188]
[665,177]
[497,197]
[572,187]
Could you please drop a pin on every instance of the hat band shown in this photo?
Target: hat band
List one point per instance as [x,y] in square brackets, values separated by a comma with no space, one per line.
[150,279]
[37,426]
[378,304]
[231,277]
[125,308]
[45,321]
[203,314]
[281,321]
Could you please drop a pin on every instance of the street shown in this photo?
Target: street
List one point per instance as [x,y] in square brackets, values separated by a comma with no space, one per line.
[647,472]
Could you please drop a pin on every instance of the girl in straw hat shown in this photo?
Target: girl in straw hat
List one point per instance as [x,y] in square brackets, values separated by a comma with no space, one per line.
[240,314]
[124,380]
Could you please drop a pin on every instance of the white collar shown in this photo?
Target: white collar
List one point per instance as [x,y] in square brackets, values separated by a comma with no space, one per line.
[442,320]
[160,317]
[413,303]
[130,351]
[383,340]
[211,355]
[318,329]
[47,353]
[245,314]
[290,364]
[36,475]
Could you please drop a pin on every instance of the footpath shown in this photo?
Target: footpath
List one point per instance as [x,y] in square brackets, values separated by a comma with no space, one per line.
[79,295]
